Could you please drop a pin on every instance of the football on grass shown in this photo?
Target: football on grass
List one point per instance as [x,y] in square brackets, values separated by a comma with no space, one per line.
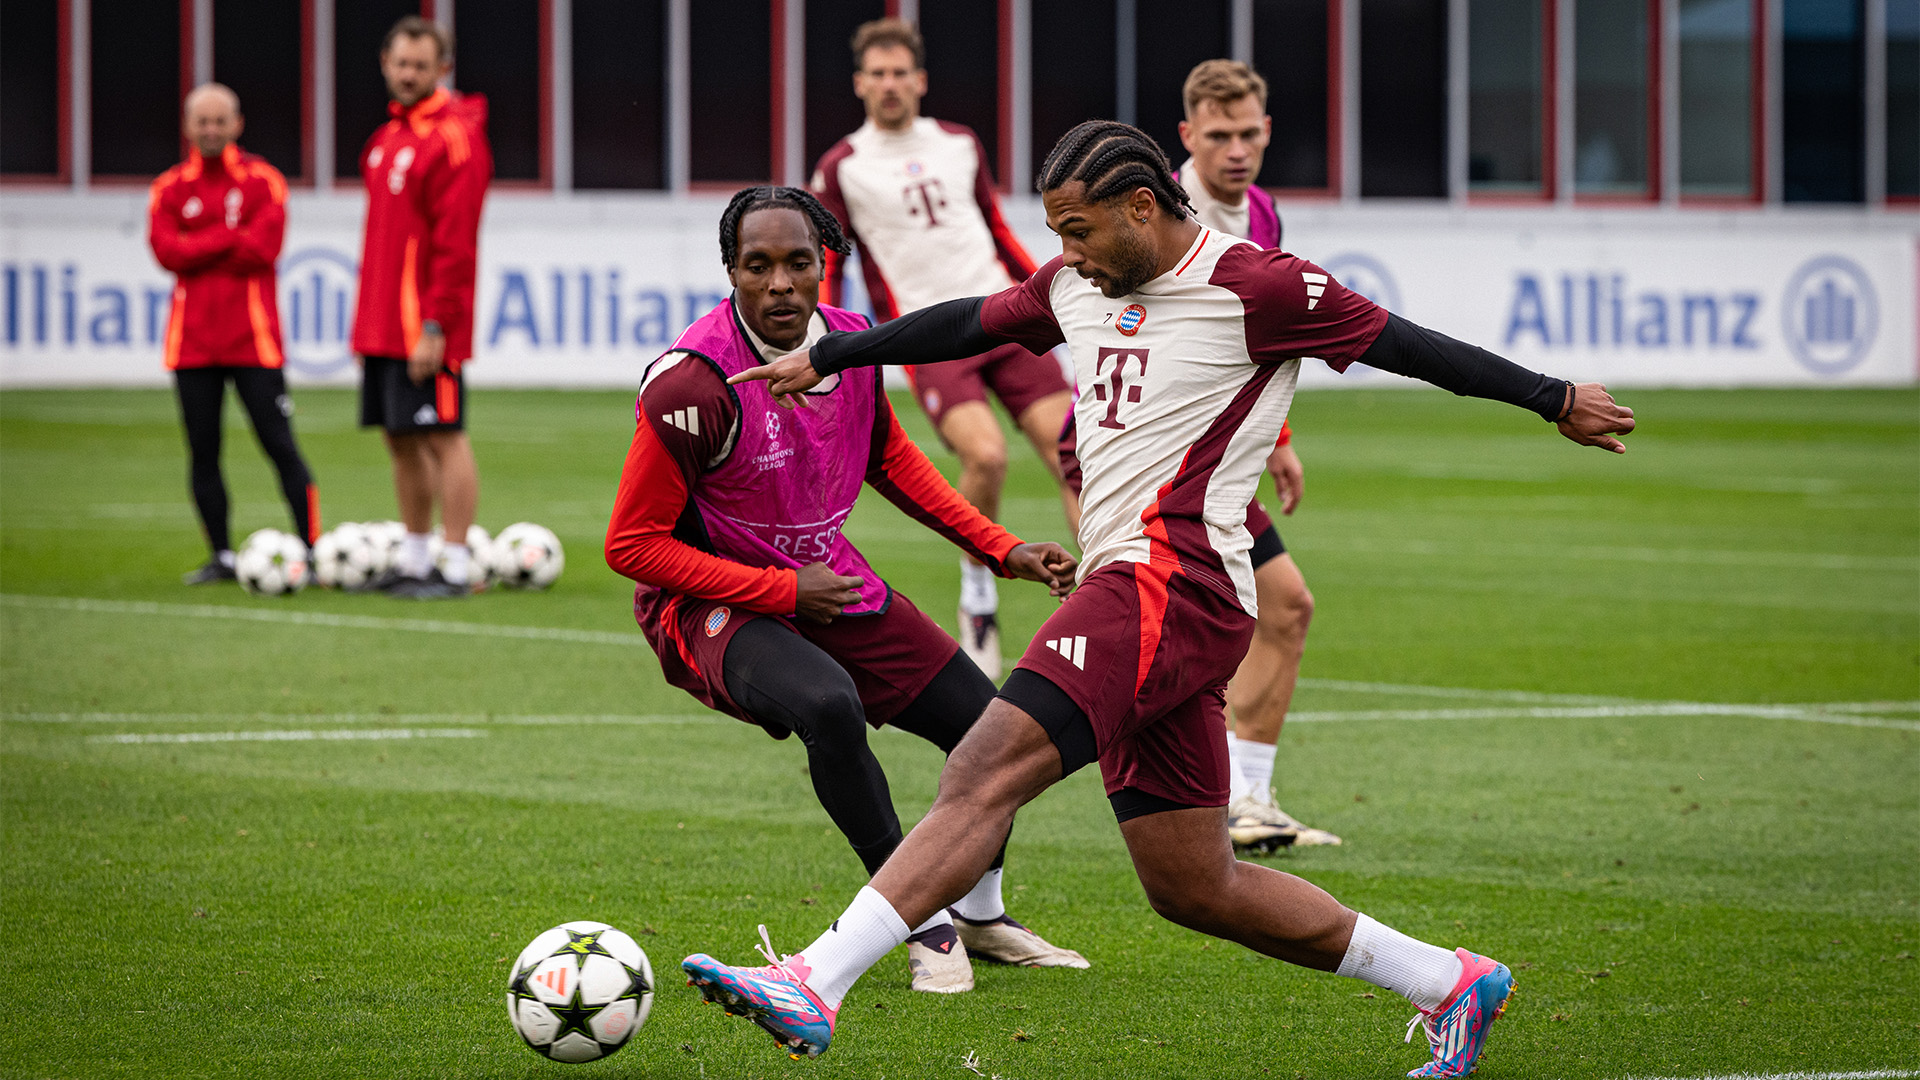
[344,558]
[527,556]
[579,991]
[272,563]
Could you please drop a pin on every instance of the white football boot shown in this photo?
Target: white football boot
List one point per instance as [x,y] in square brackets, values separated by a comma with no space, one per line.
[1005,941]
[980,640]
[938,961]
[1254,822]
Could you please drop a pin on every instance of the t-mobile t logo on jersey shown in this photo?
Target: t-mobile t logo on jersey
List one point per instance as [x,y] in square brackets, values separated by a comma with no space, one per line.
[925,196]
[1073,648]
[1101,391]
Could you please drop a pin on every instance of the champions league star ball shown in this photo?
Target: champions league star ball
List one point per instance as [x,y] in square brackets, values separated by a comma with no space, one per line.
[527,556]
[271,563]
[480,571]
[579,991]
[345,557]
[385,538]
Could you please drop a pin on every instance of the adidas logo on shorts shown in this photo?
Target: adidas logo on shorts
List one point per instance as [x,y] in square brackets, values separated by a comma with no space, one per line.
[1073,648]
[424,416]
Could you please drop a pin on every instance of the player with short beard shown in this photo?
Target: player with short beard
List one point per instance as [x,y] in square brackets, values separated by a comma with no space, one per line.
[729,517]
[1188,345]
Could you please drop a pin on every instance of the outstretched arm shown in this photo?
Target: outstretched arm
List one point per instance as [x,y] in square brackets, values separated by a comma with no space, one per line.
[1585,412]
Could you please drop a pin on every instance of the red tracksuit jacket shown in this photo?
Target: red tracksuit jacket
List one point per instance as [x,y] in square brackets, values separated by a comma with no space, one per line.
[426,172]
[217,224]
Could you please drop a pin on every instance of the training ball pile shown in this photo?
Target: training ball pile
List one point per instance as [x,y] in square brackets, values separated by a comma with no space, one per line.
[527,556]
[272,563]
[346,558]
[579,991]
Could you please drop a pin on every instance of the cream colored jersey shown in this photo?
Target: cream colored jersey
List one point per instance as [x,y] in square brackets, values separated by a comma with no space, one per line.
[1184,385]
[920,206]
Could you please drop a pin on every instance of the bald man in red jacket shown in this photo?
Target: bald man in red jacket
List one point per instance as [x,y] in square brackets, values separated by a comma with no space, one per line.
[216,220]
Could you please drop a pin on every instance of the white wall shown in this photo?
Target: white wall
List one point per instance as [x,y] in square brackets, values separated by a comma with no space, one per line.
[582,290]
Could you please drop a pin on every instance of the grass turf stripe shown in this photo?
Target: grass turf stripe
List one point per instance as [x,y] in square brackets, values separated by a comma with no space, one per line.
[292,736]
[355,718]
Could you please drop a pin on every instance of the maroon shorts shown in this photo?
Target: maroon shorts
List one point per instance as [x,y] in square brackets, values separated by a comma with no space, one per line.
[891,656]
[1017,377]
[1147,657]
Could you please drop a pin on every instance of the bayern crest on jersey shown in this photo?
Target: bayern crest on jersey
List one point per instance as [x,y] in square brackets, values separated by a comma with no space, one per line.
[717,620]
[1129,321]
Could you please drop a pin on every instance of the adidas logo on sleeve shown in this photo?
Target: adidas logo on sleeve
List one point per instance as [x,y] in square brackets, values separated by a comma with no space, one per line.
[687,419]
[1073,648]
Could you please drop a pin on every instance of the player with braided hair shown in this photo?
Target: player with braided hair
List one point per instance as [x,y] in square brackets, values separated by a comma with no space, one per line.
[729,518]
[1187,344]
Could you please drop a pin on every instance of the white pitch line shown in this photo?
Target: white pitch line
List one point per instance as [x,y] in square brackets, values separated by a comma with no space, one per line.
[1808,713]
[291,736]
[558,719]
[315,618]
[1873,1074]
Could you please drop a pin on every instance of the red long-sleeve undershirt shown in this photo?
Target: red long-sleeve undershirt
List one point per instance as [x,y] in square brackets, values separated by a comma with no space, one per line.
[656,485]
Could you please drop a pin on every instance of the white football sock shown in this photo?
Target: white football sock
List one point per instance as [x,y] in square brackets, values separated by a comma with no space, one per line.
[940,918]
[1423,974]
[978,596]
[1236,775]
[1256,768]
[224,557]
[454,559]
[868,930]
[414,561]
[983,902]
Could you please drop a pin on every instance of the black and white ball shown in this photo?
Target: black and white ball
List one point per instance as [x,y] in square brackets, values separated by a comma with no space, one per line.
[480,571]
[579,991]
[272,563]
[527,556]
[345,558]
[386,537]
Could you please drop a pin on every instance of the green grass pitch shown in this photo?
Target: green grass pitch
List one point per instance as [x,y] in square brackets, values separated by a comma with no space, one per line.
[1644,728]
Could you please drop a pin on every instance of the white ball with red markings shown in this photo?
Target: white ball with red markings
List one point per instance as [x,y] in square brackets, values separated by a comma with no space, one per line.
[272,563]
[528,556]
[579,991]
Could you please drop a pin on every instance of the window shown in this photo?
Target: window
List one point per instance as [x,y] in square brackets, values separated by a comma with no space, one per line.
[1611,129]
[30,70]
[1508,96]
[1403,98]
[135,87]
[619,94]
[1822,108]
[258,51]
[1168,42]
[1291,46]
[963,71]
[1717,134]
[359,90]
[731,91]
[498,48]
[832,111]
[1903,99]
[1073,68]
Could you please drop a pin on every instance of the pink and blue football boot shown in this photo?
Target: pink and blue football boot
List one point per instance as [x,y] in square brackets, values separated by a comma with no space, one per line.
[1457,1030]
[775,996]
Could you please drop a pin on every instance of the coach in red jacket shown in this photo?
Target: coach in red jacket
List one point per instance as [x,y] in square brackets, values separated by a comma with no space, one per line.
[426,172]
[216,220]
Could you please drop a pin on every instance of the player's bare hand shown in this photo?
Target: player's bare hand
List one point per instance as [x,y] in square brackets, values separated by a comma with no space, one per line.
[1047,563]
[1289,479]
[788,378]
[1596,418]
[429,353]
[819,593]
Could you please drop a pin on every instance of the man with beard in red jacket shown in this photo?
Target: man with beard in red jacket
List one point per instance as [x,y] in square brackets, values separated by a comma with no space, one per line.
[426,172]
[216,220]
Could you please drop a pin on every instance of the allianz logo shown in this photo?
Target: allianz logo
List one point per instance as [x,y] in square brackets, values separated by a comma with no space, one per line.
[1827,316]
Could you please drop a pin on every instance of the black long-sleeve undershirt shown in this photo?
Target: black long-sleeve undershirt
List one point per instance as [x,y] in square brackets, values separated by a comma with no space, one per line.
[952,330]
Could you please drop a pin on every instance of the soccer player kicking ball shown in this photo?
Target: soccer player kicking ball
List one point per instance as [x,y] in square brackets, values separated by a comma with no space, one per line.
[916,196]
[1187,345]
[729,516]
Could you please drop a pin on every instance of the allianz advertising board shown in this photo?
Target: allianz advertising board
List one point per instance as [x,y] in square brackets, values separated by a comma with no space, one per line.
[587,300]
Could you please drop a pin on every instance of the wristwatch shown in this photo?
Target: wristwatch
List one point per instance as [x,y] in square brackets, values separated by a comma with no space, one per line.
[432,327]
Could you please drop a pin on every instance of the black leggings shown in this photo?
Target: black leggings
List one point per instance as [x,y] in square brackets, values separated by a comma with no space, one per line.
[785,681]
[263,391]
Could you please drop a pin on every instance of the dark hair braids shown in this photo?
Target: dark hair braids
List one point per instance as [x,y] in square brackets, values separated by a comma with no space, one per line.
[1113,159]
[826,228]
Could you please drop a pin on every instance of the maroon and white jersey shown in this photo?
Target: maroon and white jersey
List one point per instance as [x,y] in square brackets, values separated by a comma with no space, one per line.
[1184,384]
[920,205]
